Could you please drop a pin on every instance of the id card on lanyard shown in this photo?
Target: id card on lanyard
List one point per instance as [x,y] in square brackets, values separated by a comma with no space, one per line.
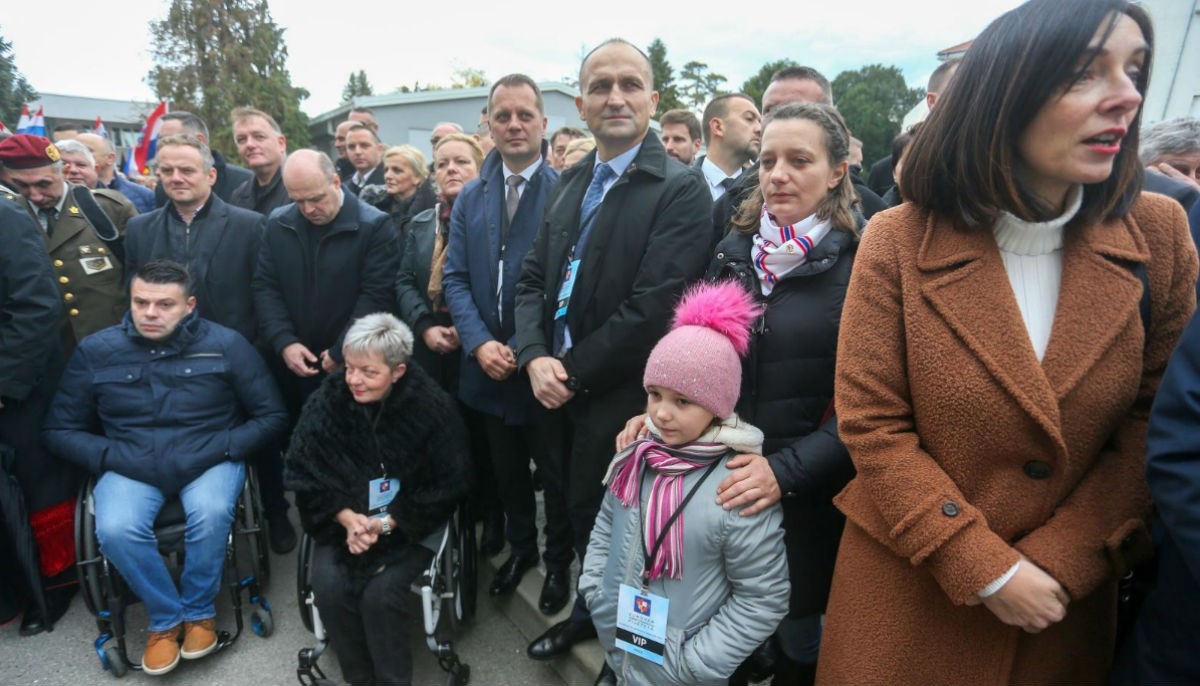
[642,615]
[382,492]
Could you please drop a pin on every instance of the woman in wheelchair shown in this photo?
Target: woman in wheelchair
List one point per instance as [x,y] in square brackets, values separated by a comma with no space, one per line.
[378,463]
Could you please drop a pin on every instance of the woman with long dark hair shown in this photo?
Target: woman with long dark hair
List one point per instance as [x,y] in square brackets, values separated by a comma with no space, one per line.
[1003,336]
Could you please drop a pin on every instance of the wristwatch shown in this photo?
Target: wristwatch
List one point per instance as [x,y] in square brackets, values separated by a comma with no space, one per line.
[385,526]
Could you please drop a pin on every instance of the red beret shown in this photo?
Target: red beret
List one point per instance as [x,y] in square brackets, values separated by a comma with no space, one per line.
[25,151]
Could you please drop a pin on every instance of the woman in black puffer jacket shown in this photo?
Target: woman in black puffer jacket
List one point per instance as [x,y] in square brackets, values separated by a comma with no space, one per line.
[792,244]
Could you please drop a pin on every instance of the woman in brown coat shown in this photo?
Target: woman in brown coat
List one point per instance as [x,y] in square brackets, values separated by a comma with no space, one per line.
[996,365]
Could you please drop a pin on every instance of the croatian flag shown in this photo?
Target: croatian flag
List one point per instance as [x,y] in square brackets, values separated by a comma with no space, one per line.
[3,127]
[137,163]
[98,128]
[35,125]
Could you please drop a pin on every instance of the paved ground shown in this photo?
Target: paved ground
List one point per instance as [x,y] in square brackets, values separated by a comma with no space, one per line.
[492,645]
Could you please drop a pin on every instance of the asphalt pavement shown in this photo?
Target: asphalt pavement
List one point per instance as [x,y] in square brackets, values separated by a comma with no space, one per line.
[491,644]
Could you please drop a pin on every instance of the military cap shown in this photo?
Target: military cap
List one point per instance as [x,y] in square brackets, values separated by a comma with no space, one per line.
[26,151]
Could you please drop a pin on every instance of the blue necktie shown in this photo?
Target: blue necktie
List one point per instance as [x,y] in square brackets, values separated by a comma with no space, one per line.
[587,219]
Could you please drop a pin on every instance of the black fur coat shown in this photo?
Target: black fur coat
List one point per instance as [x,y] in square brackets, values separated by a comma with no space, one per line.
[337,449]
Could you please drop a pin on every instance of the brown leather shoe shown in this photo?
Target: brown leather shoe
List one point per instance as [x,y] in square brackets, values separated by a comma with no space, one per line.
[162,651]
[199,638]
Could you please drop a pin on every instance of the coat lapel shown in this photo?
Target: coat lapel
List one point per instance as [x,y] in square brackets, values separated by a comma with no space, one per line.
[1098,300]
[66,227]
[965,282]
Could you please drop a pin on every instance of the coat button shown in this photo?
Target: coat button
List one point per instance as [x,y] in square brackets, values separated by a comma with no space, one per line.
[58,263]
[129,376]
[950,509]
[187,371]
[101,250]
[68,297]
[1036,469]
[74,312]
[63,279]
[720,256]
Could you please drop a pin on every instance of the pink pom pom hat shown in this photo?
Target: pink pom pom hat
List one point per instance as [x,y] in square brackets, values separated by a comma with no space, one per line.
[700,357]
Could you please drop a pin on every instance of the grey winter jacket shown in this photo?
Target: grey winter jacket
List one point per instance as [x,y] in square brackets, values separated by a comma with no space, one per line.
[734,589]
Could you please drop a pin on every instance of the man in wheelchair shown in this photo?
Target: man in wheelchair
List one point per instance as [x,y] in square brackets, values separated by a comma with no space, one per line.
[164,404]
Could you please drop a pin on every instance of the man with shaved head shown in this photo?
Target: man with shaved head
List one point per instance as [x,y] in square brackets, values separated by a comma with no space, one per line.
[107,176]
[326,259]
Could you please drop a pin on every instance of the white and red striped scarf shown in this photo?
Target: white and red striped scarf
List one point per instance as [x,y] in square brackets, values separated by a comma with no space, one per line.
[780,249]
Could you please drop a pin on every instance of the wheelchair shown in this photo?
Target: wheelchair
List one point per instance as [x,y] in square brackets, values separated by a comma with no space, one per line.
[107,595]
[447,591]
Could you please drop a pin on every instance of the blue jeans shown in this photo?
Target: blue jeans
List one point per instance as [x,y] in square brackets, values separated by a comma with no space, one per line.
[125,512]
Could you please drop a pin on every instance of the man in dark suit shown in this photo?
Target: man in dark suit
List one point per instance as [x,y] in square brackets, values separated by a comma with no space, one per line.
[1183,193]
[622,234]
[218,243]
[493,225]
[229,176]
[362,149]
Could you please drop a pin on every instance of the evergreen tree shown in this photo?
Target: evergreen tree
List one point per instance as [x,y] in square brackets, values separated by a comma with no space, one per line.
[699,84]
[356,86]
[15,91]
[664,77]
[211,56]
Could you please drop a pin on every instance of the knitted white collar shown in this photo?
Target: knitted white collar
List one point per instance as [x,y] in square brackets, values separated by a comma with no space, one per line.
[1019,237]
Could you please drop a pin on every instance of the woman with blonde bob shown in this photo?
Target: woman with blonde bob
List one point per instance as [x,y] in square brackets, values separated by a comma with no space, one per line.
[1003,336]
[409,187]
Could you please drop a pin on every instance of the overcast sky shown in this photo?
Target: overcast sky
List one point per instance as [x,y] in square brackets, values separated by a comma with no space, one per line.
[103,50]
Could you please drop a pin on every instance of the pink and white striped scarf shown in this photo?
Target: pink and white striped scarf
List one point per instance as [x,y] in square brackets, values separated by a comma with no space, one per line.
[666,494]
[780,249]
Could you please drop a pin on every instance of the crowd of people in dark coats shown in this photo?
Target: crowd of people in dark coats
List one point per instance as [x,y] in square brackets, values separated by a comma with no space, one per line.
[952,409]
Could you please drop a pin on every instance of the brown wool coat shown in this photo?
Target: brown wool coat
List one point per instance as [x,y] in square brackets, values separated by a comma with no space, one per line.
[970,452]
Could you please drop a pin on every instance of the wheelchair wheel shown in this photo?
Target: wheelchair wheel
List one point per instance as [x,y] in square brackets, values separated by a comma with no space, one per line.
[87,548]
[262,623]
[116,661]
[250,521]
[304,579]
[469,552]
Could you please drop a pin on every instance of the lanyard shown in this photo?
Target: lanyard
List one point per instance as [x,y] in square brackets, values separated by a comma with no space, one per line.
[648,557]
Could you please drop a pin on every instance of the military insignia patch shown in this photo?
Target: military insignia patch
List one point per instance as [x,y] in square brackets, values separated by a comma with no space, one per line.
[85,250]
[52,153]
[73,210]
[92,265]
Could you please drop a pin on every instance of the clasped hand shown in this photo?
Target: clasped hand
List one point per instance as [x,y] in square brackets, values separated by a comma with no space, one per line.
[361,531]
[1031,599]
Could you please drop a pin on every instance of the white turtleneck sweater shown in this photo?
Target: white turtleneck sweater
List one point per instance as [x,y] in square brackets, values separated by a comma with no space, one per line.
[1032,254]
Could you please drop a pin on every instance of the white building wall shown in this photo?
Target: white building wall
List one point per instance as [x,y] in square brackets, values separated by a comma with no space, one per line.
[1175,79]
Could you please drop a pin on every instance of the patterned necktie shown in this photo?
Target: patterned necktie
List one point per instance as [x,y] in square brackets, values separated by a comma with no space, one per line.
[514,197]
[591,204]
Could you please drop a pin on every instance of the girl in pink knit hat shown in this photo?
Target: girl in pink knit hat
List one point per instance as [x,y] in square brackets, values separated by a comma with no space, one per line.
[680,589]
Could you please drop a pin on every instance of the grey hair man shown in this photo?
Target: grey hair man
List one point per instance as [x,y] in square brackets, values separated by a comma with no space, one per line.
[106,172]
[1172,148]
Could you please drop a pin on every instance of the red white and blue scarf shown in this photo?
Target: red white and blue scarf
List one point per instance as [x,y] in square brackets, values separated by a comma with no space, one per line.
[780,249]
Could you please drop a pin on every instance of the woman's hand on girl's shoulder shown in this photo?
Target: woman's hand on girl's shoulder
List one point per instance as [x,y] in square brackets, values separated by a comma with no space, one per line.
[752,484]
[634,429]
